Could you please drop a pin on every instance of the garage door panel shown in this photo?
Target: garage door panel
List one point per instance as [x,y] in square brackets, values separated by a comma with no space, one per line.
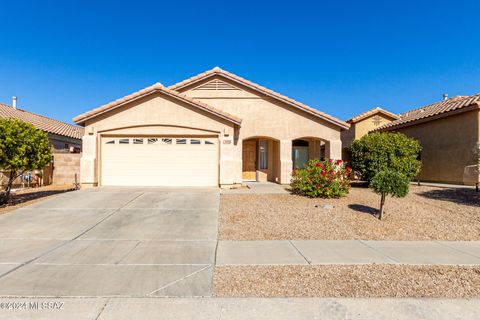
[159,163]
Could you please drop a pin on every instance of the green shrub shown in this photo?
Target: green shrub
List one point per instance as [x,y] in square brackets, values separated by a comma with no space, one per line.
[389,182]
[380,151]
[326,179]
[22,147]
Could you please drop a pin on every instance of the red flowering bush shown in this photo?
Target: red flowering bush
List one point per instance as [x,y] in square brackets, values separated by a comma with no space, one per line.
[326,179]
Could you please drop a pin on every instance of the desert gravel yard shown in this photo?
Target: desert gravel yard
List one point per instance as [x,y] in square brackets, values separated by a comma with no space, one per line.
[427,213]
[28,196]
[348,281]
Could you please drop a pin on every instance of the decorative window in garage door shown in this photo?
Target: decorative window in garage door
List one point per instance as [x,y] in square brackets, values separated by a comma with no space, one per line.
[161,141]
[152,140]
[181,141]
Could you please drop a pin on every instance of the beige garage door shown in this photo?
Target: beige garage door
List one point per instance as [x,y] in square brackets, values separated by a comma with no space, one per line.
[159,161]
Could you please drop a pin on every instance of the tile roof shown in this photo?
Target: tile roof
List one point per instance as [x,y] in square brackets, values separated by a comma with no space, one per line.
[41,122]
[442,107]
[371,112]
[160,88]
[278,96]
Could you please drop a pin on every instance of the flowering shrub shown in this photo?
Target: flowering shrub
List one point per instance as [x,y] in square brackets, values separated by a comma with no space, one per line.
[326,179]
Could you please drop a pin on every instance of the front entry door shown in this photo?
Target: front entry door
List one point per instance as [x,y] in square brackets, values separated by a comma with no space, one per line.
[249,160]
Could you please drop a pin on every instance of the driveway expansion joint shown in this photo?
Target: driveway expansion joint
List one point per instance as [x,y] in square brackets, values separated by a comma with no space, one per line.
[124,252]
[180,280]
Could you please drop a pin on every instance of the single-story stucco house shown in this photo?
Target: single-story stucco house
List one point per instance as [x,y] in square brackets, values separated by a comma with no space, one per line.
[214,129]
[61,135]
[449,132]
[66,142]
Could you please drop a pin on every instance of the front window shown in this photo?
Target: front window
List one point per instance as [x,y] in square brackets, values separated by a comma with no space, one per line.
[299,157]
[263,150]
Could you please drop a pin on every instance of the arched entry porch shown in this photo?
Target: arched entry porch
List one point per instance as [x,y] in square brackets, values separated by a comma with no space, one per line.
[307,148]
[260,159]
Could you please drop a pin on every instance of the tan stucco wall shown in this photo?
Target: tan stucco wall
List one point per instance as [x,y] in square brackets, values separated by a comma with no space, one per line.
[154,115]
[263,116]
[447,146]
[363,127]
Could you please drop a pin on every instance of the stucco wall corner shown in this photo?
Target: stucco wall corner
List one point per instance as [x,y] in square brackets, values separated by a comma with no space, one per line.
[286,163]
[88,160]
[230,163]
[333,149]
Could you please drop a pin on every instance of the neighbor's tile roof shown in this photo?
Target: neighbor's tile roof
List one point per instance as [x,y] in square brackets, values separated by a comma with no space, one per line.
[412,116]
[41,122]
[371,112]
[278,96]
[156,87]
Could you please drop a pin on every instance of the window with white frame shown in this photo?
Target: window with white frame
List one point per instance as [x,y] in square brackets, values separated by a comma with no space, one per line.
[263,151]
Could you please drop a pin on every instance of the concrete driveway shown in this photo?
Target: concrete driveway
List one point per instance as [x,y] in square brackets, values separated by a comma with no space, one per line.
[131,242]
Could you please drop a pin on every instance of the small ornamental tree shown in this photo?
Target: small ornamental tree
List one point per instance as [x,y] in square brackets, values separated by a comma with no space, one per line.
[389,182]
[326,179]
[22,147]
[380,151]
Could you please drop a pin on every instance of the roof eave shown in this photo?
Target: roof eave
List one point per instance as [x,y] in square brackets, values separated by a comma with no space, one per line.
[82,120]
[341,124]
[371,112]
[473,106]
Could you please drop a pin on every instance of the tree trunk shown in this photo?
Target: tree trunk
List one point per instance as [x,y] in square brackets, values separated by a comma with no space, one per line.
[6,195]
[382,207]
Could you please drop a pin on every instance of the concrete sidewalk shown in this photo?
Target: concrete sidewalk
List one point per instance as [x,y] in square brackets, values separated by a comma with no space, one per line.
[303,252]
[241,308]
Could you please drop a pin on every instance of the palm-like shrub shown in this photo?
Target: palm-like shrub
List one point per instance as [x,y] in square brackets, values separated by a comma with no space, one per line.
[326,179]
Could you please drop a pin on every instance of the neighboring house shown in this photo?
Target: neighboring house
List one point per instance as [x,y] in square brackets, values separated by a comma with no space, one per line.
[213,129]
[363,123]
[449,132]
[63,137]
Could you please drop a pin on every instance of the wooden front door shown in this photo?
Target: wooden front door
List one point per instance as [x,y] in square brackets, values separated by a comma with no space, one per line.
[249,160]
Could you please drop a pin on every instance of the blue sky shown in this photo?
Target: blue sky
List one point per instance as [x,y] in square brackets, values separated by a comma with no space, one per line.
[62,58]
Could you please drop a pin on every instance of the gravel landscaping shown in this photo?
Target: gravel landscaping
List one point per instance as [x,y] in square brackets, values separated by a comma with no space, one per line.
[347,281]
[21,198]
[427,213]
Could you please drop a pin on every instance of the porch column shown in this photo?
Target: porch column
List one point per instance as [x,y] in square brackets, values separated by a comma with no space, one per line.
[88,167]
[314,149]
[286,163]
[333,149]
